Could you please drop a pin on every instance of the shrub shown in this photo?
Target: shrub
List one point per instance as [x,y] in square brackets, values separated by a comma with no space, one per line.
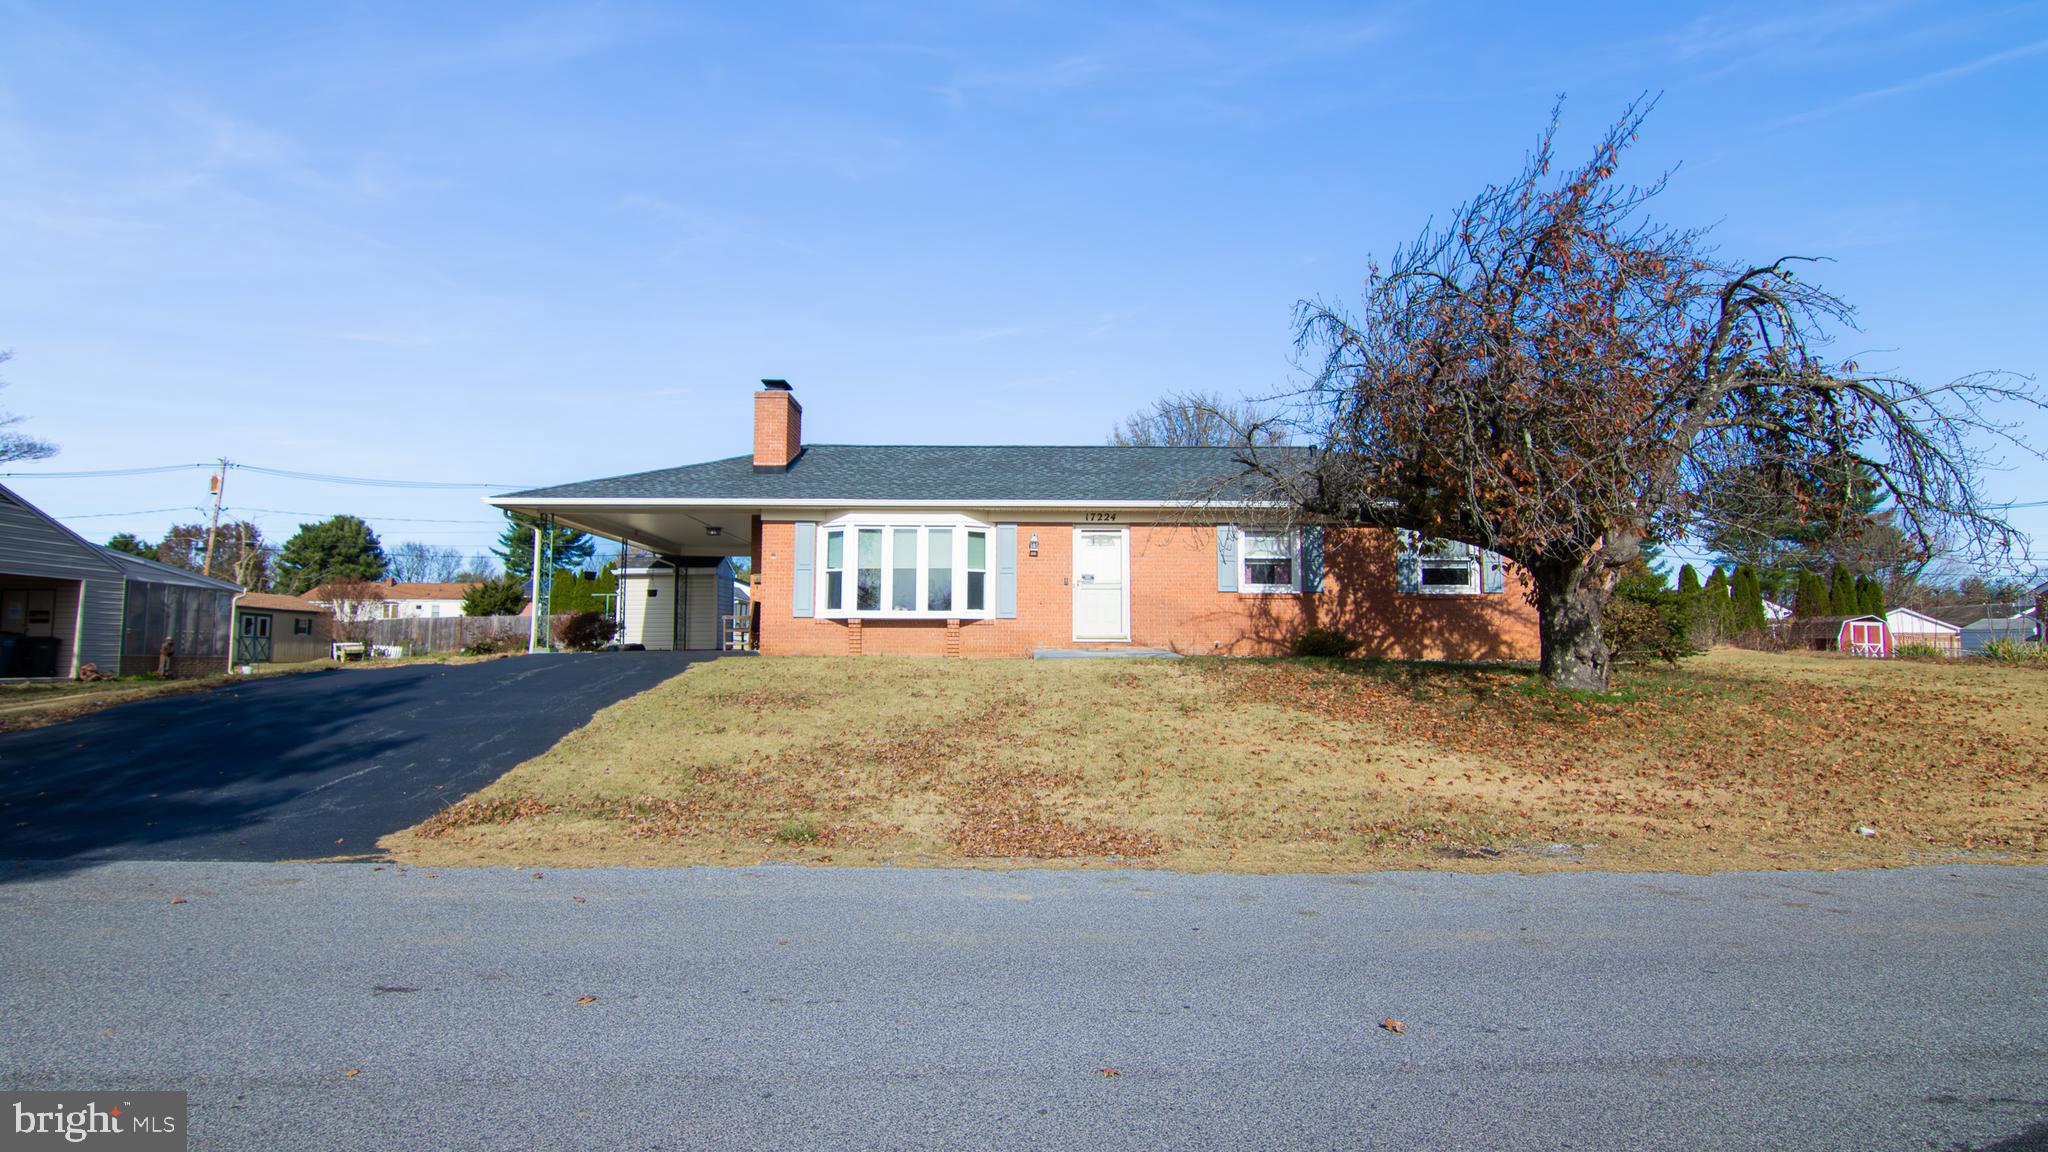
[499,644]
[1324,642]
[797,832]
[585,631]
[1647,621]
[2021,652]
[1916,652]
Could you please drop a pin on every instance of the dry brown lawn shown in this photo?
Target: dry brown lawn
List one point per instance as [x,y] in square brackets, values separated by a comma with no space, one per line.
[1735,760]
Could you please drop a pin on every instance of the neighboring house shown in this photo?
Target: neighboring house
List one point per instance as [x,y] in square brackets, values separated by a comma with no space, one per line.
[648,596]
[66,603]
[400,601]
[274,629]
[1774,612]
[1911,627]
[1855,635]
[1004,551]
[1979,633]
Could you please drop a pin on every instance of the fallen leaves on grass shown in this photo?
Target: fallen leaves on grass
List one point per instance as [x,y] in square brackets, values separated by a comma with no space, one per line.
[1023,828]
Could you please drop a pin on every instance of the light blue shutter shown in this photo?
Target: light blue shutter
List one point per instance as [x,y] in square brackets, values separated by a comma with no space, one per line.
[1493,575]
[1312,559]
[1407,562]
[803,579]
[1006,571]
[1226,558]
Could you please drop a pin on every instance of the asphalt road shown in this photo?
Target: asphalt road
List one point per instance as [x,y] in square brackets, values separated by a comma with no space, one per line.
[313,765]
[789,1008]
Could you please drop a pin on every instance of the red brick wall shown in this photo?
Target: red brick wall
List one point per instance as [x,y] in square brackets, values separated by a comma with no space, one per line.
[1175,604]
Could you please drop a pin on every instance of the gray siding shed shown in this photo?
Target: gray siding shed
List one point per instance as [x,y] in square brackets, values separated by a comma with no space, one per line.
[91,588]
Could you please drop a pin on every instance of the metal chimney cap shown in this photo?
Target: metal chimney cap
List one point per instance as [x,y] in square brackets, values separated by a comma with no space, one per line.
[776,385]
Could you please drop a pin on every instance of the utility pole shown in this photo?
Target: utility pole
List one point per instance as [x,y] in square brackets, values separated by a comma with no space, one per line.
[220,482]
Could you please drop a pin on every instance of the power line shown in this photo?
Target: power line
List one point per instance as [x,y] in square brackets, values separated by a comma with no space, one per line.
[386,519]
[316,477]
[370,481]
[137,512]
[108,472]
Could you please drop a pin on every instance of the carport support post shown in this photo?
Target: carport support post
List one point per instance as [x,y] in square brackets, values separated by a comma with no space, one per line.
[533,598]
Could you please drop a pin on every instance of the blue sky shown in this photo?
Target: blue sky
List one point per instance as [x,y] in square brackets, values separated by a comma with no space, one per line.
[529,244]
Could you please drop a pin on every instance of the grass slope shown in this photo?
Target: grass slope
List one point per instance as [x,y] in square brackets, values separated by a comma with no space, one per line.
[1737,760]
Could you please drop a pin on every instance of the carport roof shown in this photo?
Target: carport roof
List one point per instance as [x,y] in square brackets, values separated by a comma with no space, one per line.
[871,472]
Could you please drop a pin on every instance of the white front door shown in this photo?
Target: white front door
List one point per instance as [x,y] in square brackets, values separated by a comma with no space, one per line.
[1100,559]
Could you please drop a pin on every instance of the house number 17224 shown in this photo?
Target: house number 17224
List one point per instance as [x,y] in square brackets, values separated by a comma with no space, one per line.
[1099,517]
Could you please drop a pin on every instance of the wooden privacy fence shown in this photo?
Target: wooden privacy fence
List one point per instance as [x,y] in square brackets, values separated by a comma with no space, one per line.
[451,633]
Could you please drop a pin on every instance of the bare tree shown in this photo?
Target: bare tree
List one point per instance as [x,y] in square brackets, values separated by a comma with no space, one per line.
[1197,419]
[355,604]
[1556,377]
[415,562]
[17,446]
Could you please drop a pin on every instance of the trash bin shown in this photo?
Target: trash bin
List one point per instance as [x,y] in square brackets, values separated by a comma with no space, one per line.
[37,656]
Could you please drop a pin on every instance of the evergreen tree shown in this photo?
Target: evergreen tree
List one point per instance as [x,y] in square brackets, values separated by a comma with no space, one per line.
[1813,598]
[1869,596]
[571,549]
[1842,591]
[1688,580]
[340,548]
[503,597]
[1720,605]
[1749,599]
[132,544]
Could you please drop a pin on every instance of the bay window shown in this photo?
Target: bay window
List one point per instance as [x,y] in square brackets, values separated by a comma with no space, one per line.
[904,565]
[977,571]
[868,584]
[835,570]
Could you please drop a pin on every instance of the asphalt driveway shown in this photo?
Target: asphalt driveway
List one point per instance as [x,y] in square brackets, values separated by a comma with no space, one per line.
[314,765]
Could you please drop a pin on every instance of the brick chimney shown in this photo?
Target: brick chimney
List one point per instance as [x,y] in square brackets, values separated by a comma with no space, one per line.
[778,427]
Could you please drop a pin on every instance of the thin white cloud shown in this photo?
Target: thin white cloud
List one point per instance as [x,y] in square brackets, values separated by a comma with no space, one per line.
[1917,83]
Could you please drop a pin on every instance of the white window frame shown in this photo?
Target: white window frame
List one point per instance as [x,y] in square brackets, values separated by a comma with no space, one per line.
[887,523]
[1246,586]
[1475,573]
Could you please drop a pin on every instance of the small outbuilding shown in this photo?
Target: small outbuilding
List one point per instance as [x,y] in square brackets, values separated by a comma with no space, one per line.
[1855,635]
[274,629]
[1918,628]
[649,596]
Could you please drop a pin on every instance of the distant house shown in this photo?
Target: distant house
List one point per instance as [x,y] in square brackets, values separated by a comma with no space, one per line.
[400,600]
[273,629]
[66,602]
[1855,635]
[1977,634]
[1911,627]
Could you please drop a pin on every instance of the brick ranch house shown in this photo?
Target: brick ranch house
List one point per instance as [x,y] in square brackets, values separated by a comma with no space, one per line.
[1007,551]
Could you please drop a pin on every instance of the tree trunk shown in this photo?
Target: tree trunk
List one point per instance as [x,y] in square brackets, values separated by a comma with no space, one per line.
[1571,595]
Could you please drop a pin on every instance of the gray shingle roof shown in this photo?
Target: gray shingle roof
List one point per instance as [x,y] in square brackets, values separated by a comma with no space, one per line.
[829,472]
